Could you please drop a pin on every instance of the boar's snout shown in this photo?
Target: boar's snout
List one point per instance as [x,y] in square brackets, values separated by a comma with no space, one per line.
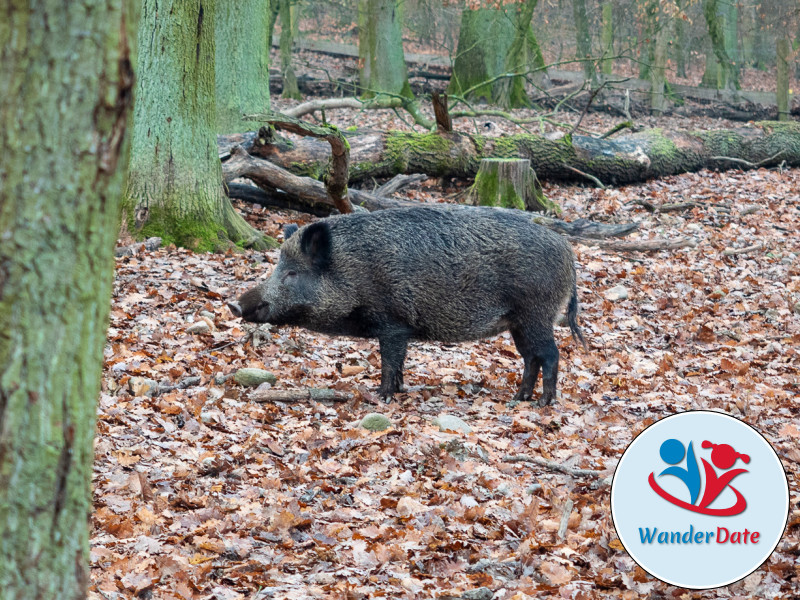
[251,306]
[234,307]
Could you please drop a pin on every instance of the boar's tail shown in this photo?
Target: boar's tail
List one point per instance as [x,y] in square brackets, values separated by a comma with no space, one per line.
[572,317]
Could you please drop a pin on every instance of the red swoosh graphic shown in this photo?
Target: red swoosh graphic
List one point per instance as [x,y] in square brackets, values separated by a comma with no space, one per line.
[737,508]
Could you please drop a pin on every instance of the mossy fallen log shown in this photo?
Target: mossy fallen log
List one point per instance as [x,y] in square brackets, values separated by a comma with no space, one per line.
[625,159]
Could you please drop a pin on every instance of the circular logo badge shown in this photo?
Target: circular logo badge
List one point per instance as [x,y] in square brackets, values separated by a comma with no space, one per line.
[699,499]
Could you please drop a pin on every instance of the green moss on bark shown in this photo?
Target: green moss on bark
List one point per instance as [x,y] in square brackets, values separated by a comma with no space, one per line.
[59,222]
[175,185]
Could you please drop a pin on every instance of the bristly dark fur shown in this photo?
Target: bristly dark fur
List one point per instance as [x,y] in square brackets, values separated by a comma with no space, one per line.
[449,274]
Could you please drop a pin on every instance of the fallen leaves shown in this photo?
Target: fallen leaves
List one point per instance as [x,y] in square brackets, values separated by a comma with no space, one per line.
[200,491]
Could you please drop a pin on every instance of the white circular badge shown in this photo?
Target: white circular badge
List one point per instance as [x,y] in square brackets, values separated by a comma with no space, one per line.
[699,499]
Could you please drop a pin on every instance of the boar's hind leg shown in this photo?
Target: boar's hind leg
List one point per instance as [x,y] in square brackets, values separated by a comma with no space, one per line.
[393,346]
[539,351]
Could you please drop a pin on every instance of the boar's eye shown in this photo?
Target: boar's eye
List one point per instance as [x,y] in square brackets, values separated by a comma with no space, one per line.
[289,275]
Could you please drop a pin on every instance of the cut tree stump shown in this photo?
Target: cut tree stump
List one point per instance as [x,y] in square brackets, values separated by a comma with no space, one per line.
[508,183]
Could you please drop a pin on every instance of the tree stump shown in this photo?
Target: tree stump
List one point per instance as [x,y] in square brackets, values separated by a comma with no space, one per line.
[509,183]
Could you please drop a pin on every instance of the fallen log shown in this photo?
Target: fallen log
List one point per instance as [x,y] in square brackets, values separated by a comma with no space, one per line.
[310,192]
[624,159]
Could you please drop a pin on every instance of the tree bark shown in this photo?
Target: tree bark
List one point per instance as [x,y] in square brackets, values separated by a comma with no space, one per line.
[508,183]
[483,43]
[623,159]
[380,48]
[175,188]
[584,39]
[69,62]
[242,62]
[289,29]
[782,79]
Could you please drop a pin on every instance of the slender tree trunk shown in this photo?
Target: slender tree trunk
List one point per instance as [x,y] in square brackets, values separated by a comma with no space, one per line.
[272,18]
[523,55]
[658,68]
[728,74]
[175,188]
[58,223]
[782,86]
[584,39]
[483,44]
[242,63]
[608,37]
[380,48]
[679,48]
[289,29]
[651,26]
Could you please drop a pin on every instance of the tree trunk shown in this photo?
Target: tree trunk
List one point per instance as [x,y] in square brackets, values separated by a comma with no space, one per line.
[584,39]
[658,70]
[624,159]
[782,79]
[242,62]
[651,26]
[728,75]
[380,48]
[508,183]
[58,223]
[175,188]
[524,55]
[679,47]
[483,44]
[289,29]
[608,37]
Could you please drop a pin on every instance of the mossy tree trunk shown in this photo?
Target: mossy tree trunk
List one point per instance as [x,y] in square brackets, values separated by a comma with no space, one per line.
[658,68]
[608,37]
[584,39]
[380,48]
[624,159]
[289,30]
[679,47]
[483,43]
[242,62]
[524,56]
[782,79]
[175,188]
[651,26]
[508,183]
[721,63]
[68,63]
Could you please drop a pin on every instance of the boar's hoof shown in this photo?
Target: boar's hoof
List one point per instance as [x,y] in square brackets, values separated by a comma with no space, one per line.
[520,396]
[547,399]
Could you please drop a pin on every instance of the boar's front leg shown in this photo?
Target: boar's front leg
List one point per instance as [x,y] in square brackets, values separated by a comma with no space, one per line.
[393,344]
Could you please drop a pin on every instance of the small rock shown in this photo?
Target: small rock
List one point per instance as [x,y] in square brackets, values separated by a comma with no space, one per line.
[451,423]
[207,314]
[141,386]
[408,506]
[772,315]
[200,327]
[796,308]
[375,422]
[482,593]
[253,377]
[618,292]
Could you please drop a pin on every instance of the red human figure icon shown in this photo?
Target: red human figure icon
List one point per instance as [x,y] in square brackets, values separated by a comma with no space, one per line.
[724,457]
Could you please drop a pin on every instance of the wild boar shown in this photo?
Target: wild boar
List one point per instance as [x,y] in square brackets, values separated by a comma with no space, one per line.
[447,274]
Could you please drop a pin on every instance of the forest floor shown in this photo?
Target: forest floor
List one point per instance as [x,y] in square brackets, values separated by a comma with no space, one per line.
[204,493]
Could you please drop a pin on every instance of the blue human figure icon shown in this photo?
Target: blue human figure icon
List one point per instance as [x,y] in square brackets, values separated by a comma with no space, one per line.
[672,452]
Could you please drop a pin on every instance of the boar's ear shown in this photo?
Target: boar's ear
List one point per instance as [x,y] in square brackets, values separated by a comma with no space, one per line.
[316,243]
[289,230]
